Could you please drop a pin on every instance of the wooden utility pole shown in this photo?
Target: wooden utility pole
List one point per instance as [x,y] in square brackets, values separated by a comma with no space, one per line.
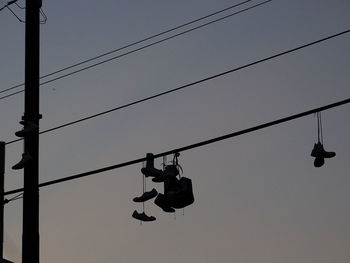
[30,238]
[2,200]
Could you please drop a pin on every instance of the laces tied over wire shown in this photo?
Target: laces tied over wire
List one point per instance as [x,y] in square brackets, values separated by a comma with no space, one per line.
[319,128]
[176,162]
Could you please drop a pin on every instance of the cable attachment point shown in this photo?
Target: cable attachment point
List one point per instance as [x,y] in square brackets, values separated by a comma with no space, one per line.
[43,18]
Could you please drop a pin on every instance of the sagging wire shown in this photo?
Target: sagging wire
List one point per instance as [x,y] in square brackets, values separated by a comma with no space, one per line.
[18,18]
[42,13]
[43,16]
[8,4]
[8,7]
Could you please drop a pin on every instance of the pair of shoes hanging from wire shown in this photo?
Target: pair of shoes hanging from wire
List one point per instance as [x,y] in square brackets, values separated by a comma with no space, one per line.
[178,192]
[318,151]
[146,195]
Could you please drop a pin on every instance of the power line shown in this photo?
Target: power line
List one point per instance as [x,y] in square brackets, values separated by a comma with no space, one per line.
[134,50]
[191,146]
[19,196]
[132,44]
[8,4]
[190,84]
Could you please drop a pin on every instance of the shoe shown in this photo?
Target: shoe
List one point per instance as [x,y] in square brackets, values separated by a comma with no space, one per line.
[143,217]
[30,127]
[316,151]
[151,172]
[326,154]
[183,196]
[163,203]
[158,179]
[149,160]
[26,158]
[146,196]
[171,171]
[319,161]
[319,151]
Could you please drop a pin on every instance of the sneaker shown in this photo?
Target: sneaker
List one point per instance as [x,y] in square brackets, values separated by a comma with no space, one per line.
[171,171]
[149,160]
[319,151]
[30,127]
[158,179]
[151,172]
[143,217]
[319,161]
[184,196]
[146,196]
[163,203]
[326,154]
[26,158]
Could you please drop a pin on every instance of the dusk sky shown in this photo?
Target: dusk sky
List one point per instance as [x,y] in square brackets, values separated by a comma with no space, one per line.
[258,197]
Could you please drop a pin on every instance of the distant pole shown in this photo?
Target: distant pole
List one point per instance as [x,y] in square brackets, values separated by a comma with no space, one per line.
[30,239]
[2,182]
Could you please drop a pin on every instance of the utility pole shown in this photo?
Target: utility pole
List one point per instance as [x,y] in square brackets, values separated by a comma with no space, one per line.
[2,200]
[30,238]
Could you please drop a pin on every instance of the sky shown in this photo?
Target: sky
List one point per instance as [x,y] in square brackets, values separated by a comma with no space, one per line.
[258,197]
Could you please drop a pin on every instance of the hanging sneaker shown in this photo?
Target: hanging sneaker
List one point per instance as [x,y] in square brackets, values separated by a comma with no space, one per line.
[317,150]
[143,217]
[26,158]
[149,160]
[326,154]
[184,196]
[319,161]
[163,203]
[171,171]
[30,127]
[151,172]
[146,196]
[158,179]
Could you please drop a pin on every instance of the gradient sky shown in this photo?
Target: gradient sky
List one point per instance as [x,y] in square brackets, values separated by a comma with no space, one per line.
[258,196]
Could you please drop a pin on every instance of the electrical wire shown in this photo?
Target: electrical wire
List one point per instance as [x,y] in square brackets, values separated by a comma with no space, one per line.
[8,4]
[191,84]
[131,44]
[134,50]
[191,146]
[19,196]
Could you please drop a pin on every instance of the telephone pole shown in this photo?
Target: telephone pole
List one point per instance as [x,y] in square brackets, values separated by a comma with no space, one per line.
[2,182]
[30,238]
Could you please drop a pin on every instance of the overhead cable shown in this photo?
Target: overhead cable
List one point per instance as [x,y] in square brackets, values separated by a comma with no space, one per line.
[132,51]
[191,146]
[191,84]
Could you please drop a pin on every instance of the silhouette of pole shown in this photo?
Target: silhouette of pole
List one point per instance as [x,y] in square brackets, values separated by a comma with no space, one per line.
[2,182]
[30,238]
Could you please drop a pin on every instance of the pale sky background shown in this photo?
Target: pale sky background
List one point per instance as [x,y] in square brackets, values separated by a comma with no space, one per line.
[258,197]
